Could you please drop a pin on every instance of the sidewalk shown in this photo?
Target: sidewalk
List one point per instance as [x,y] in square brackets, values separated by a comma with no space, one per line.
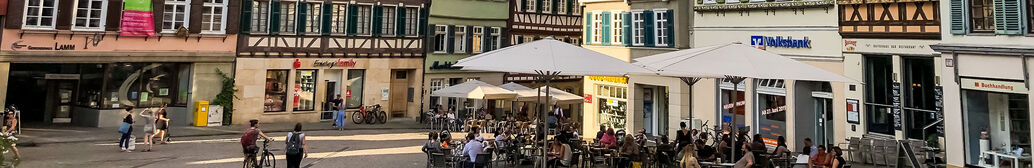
[55,134]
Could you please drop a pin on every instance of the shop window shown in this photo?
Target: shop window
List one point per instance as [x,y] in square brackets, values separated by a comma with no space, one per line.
[276,91]
[613,103]
[356,79]
[40,14]
[260,17]
[388,20]
[89,14]
[919,98]
[304,90]
[728,109]
[995,124]
[213,16]
[91,84]
[287,17]
[175,15]
[981,16]
[337,19]
[878,94]
[771,105]
[142,84]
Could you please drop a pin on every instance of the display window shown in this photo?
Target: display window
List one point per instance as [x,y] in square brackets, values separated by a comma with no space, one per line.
[997,125]
[356,78]
[304,90]
[276,91]
[142,85]
[613,103]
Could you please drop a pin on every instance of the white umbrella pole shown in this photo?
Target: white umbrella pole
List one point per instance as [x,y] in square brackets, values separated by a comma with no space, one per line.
[732,112]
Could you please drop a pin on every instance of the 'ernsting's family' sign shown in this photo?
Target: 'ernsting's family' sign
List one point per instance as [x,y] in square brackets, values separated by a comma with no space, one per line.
[335,63]
[762,42]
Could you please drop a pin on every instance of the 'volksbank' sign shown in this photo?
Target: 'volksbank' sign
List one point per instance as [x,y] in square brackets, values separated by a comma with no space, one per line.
[762,42]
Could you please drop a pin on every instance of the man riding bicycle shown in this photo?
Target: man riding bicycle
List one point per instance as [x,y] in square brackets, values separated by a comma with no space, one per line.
[249,138]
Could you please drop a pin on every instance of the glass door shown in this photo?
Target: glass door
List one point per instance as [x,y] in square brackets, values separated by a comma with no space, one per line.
[823,129]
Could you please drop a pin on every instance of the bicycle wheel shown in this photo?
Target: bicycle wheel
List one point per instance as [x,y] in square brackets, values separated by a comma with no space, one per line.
[249,162]
[382,117]
[371,117]
[357,117]
[268,160]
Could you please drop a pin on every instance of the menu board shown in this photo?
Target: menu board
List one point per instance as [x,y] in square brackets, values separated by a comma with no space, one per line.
[896,102]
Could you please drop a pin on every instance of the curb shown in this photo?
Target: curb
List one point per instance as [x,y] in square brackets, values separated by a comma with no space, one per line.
[220,133]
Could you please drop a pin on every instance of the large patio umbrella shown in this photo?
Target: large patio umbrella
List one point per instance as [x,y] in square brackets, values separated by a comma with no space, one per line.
[475,89]
[733,61]
[514,87]
[549,58]
[556,96]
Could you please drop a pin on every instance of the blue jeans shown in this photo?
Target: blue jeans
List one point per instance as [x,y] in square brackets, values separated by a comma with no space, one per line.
[124,141]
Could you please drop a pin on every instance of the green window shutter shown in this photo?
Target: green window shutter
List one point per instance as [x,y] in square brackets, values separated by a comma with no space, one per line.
[327,10]
[554,6]
[626,28]
[400,21]
[524,5]
[648,34]
[423,20]
[245,25]
[274,17]
[605,32]
[377,21]
[671,27]
[958,16]
[450,40]
[570,7]
[588,28]
[353,14]
[486,40]
[538,6]
[301,20]
[1008,17]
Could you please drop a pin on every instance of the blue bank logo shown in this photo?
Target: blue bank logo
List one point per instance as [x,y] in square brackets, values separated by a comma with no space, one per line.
[763,42]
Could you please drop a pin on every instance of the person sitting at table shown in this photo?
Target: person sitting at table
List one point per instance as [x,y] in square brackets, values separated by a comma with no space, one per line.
[500,139]
[559,154]
[432,145]
[665,150]
[446,141]
[781,151]
[748,157]
[758,145]
[629,150]
[809,148]
[472,149]
[820,159]
[689,157]
[609,140]
[724,147]
[599,134]
[838,158]
[704,152]
[683,136]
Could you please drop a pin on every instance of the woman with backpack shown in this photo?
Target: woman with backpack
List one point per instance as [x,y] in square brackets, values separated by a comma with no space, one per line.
[295,149]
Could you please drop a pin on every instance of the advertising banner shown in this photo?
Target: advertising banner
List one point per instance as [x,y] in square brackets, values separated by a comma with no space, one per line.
[137,19]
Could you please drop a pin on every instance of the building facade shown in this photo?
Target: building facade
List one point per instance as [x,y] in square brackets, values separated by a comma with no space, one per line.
[72,63]
[295,57]
[774,107]
[985,76]
[627,30]
[886,47]
[532,20]
[460,29]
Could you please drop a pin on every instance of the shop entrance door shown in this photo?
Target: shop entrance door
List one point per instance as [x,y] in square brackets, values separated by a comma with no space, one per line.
[329,106]
[399,89]
[824,118]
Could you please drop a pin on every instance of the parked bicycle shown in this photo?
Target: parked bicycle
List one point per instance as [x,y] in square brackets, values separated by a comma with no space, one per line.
[370,114]
[265,159]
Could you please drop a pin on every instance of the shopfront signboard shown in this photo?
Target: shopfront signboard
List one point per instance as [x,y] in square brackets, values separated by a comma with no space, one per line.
[334,63]
[896,46]
[763,42]
[1001,86]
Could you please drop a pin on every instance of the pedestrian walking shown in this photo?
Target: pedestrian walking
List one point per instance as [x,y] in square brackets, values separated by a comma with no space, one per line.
[339,113]
[12,128]
[149,117]
[126,129]
[295,149]
[162,123]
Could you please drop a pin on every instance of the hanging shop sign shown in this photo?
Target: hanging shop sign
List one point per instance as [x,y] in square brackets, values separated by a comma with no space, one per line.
[763,42]
[334,63]
[993,85]
[609,79]
[588,98]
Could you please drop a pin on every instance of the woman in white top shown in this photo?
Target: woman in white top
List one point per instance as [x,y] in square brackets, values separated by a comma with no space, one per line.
[149,117]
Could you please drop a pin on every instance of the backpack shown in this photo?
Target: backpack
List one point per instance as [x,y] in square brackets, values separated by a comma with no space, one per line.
[294,144]
[248,139]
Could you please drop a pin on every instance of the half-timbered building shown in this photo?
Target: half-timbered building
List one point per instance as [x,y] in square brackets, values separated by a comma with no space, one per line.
[532,20]
[460,29]
[298,60]
[84,62]
[626,30]
[886,46]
